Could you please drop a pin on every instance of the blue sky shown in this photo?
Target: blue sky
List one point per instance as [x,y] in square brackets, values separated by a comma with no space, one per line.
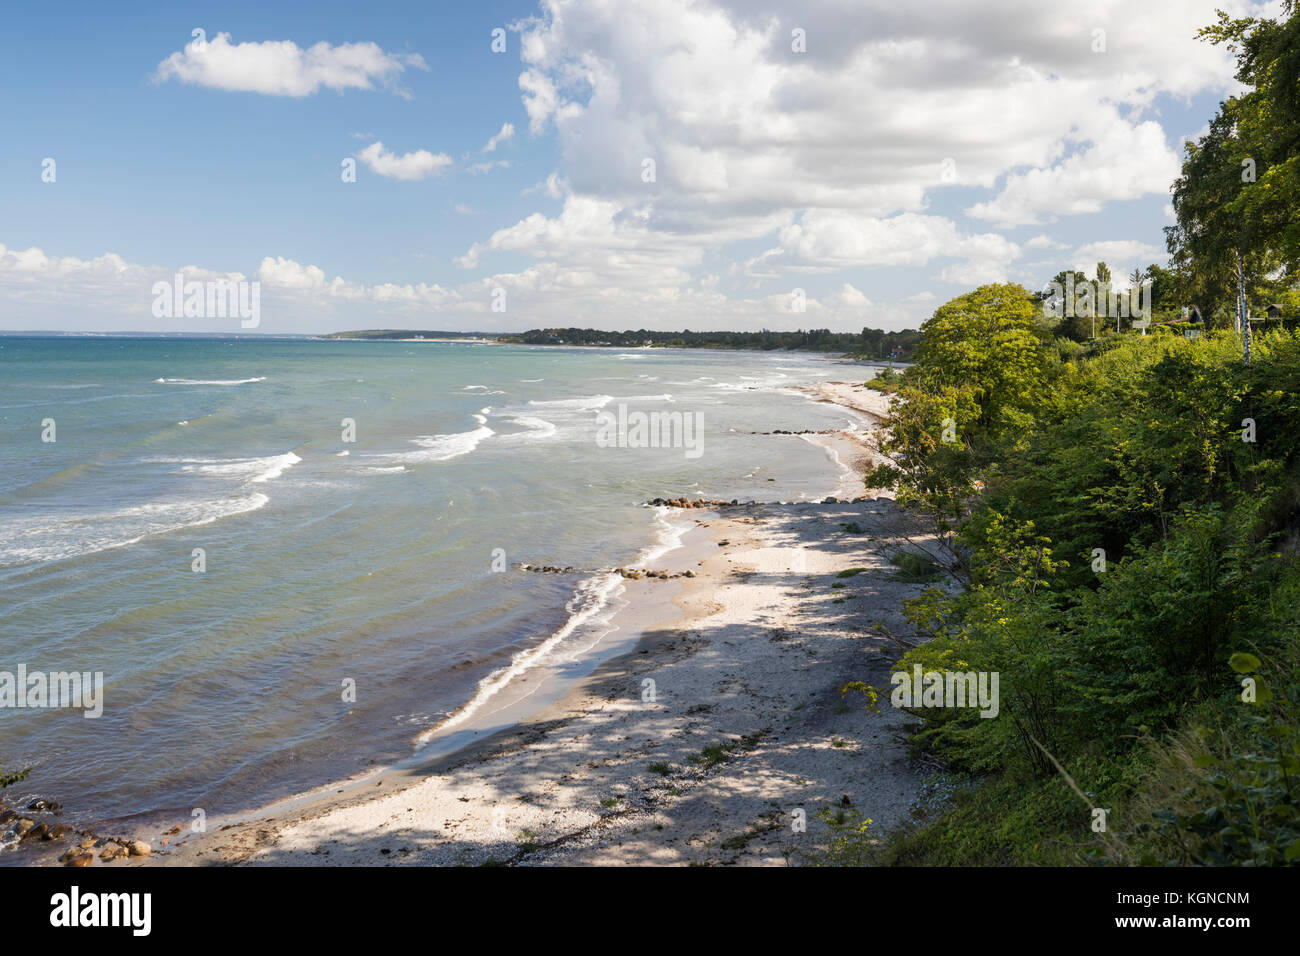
[893,163]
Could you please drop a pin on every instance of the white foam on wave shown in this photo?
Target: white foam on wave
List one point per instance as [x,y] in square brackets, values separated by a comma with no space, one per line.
[668,536]
[591,609]
[588,605]
[591,401]
[201,381]
[751,383]
[252,470]
[26,540]
[538,428]
[440,447]
[826,445]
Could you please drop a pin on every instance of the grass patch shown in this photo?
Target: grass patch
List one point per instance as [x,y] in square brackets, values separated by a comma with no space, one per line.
[850,572]
[914,568]
[529,841]
[714,754]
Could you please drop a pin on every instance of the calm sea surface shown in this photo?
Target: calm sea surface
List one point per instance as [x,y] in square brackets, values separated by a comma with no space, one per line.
[329,560]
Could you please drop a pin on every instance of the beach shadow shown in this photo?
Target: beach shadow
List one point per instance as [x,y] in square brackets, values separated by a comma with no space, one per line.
[749,727]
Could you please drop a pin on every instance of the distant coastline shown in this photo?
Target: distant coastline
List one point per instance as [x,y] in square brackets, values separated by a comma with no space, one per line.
[868,345]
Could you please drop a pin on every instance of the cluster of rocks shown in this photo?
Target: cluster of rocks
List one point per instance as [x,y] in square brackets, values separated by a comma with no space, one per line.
[802,431]
[29,829]
[635,574]
[697,503]
[110,849]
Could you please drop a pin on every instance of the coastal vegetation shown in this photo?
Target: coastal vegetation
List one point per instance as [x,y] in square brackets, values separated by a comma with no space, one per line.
[1120,520]
[869,344]
[1125,531]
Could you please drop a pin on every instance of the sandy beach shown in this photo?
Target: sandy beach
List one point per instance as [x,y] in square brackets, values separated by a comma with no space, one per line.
[709,744]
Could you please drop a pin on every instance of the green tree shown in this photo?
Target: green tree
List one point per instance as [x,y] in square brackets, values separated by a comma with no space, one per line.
[1074,320]
[1240,185]
[988,342]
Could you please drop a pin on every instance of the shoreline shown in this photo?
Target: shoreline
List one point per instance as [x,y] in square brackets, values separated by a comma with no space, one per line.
[573,782]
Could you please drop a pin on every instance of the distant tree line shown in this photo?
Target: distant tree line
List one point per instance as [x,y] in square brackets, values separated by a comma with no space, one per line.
[867,344]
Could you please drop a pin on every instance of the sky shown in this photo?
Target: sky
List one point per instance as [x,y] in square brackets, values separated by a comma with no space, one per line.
[658,164]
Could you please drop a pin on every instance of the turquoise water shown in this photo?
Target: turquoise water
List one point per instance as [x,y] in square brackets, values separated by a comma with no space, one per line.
[327,560]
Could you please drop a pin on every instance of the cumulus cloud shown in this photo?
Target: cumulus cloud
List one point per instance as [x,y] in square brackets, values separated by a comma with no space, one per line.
[1116,253]
[1124,161]
[553,187]
[408,167]
[849,297]
[598,239]
[739,125]
[302,297]
[824,240]
[32,269]
[506,133]
[282,68]
[688,125]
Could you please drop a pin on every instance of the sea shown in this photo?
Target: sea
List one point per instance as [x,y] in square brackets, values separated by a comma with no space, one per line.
[293,559]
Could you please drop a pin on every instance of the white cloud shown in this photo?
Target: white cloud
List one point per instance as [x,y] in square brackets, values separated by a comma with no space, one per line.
[30,268]
[849,297]
[506,133]
[554,187]
[827,240]
[835,153]
[740,127]
[1124,161]
[302,297]
[282,68]
[1120,254]
[598,239]
[408,166]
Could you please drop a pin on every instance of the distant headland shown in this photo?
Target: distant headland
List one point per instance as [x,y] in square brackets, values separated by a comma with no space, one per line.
[867,344]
